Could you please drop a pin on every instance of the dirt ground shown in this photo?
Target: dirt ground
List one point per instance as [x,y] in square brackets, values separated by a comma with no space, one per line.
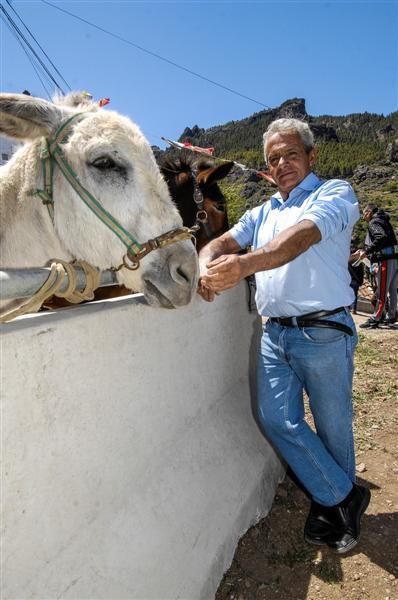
[273,562]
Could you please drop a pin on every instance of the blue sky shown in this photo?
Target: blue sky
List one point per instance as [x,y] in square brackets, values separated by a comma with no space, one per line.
[341,56]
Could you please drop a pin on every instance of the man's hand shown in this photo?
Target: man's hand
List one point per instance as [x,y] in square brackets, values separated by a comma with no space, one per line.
[223,273]
[362,254]
[205,292]
[203,289]
[210,255]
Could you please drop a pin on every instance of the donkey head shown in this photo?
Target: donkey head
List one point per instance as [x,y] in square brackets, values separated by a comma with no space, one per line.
[194,189]
[113,161]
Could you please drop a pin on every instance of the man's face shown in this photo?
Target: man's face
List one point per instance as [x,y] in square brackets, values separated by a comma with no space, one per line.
[367,214]
[288,161]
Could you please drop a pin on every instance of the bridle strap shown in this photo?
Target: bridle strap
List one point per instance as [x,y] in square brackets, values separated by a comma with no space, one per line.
[202,219]
[50,152]
[89,200]
[46,193]
[170,237]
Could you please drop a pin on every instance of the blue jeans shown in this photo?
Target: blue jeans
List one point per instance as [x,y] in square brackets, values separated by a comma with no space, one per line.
[319,361]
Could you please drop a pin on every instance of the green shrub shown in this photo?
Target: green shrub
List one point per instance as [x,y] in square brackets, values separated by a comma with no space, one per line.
[391,186]
[236,205]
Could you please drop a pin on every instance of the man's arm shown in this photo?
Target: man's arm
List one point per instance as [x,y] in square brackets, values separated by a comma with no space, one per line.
[223,245]
[225,271]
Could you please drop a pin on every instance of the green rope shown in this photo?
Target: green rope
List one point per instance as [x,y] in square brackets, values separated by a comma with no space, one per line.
[50,152]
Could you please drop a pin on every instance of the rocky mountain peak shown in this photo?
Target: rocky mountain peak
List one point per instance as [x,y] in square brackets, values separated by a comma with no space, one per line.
[293,109]
[189,133]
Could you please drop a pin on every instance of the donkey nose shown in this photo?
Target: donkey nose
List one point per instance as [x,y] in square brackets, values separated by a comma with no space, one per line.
[181,273]
[184,269]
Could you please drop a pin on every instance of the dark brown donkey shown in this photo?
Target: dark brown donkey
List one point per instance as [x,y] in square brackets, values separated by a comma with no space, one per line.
[193,187]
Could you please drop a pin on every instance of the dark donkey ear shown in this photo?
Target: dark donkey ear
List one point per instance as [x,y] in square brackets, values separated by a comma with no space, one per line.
[214,174]
[26,117]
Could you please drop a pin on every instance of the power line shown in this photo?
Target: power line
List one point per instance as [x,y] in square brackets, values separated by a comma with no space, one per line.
[166,60]
[22,37]
[27,54]
[37,43]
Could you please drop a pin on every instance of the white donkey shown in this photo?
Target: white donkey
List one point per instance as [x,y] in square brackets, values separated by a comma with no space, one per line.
[81,159]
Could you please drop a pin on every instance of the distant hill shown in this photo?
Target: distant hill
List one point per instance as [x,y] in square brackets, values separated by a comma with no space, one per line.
[361,147]
[343,142]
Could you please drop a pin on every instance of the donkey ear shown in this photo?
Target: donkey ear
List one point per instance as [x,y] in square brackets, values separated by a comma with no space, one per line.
[215,173]
[26,117]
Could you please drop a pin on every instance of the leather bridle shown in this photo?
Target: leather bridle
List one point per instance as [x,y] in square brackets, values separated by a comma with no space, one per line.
[202,218]
[51,154]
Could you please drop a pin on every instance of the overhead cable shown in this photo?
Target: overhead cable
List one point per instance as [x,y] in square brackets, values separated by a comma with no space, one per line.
[166,60]
[38,44]
[31,49]
[27,54]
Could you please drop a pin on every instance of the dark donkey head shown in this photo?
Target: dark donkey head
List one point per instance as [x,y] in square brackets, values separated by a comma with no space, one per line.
[193,187]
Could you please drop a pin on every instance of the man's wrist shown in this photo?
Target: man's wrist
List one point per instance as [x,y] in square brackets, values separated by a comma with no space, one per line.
[251,263]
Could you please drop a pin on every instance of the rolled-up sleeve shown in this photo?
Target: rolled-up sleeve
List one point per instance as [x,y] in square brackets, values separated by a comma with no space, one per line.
[243,231]
[334,209]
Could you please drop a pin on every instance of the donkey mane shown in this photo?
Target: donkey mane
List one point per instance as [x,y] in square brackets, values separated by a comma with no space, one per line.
[76,99]
[186,162]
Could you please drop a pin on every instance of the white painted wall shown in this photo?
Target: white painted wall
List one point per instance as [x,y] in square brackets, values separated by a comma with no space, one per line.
[7,149]
[131,461]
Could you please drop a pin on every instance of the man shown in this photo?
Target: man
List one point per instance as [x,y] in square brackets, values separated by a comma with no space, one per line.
[381,248]
[301,245]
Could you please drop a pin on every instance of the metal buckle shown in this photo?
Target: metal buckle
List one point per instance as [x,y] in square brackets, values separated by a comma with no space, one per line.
[201,216]
[134,261]
[197,194]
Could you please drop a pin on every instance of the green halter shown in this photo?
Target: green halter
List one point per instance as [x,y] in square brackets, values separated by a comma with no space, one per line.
[51,152]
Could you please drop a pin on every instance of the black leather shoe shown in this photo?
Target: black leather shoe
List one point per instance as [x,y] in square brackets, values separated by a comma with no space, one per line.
[349,514]
[322,522]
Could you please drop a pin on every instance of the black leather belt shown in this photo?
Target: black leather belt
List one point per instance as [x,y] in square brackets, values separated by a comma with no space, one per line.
[314,320]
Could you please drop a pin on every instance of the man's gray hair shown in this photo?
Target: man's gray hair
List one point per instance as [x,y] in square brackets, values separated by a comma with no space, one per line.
[290,126]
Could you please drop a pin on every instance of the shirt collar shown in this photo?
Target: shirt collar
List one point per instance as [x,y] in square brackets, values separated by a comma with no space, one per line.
[309,183]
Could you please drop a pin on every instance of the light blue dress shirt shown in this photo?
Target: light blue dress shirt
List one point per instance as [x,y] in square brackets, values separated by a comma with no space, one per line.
[318,279]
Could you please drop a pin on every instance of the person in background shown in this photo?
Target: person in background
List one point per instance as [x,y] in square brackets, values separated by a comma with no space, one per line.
[301,245]
[356,271]
[381,248]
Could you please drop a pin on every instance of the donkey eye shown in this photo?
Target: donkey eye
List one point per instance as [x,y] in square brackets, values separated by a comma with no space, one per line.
[104,163]
[220,207]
